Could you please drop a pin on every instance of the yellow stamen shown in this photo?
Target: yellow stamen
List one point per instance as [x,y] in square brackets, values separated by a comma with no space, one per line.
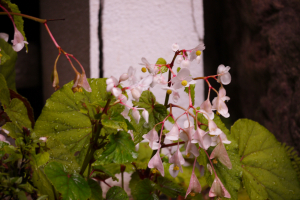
[184,82]
[175,168]
[215,161]
[198,53]
[188,155]
[218,113]
[169,91]
[144,69]
[192,194]
[79,89]
[154,171]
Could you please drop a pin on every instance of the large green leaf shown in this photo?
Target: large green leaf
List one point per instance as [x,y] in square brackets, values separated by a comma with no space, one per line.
[40,181]
[120,149]
[169,188]
[114,122]
[71,186]
[157,113]
[7,68]
[62,117]
[267,171]
[17,113]
[40,159]
[95,189]
[116,193]
[144,190]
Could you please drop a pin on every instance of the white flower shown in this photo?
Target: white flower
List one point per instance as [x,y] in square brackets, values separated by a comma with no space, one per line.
[131,75]
[175,47]
[158,78]
[173,134]
[152,138]
[177,160]
[213,128]
[18,41]
[156,162]
[4,36]
[206,109]
[185,64]
[145,115]
[202,138]
[144,84]
[224,75]
[218,190]
[136,115]
[219,103]
[111,82]
[153,69]
[221,154]
[182,79]
[174,92]
[116,91]
[193,54]
[187,136]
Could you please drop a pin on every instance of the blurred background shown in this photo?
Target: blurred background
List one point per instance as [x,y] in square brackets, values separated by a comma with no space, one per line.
[259,40]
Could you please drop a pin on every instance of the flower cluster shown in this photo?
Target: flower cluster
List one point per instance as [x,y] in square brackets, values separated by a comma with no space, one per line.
[191,135]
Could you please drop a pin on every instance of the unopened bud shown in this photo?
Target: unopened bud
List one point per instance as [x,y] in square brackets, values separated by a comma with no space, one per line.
[43,139]
[185,64]
[145,115]
[124,77]
[135,93]
[184,82]
[136,115]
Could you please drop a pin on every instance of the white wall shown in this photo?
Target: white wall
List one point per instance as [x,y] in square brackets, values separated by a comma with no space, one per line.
[134,29]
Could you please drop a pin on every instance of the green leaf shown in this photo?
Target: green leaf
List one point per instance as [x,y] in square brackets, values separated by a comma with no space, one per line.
[116,193]
[157,113]
[2,151]
[144,190]
[44,186]
[114,122]
[43,197]
[63,120]
[71,186]
[120,149]
[169,188]
[161,61]
[17,113]
[22,195]
[40,159]
[18,20]
[95,189]
[267,171]
[14,154]
[186,89]
[8,68]
[4,92]
[105,171]
[3,57]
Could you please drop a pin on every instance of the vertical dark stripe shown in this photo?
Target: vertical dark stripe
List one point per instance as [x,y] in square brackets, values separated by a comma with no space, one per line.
[100,39]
